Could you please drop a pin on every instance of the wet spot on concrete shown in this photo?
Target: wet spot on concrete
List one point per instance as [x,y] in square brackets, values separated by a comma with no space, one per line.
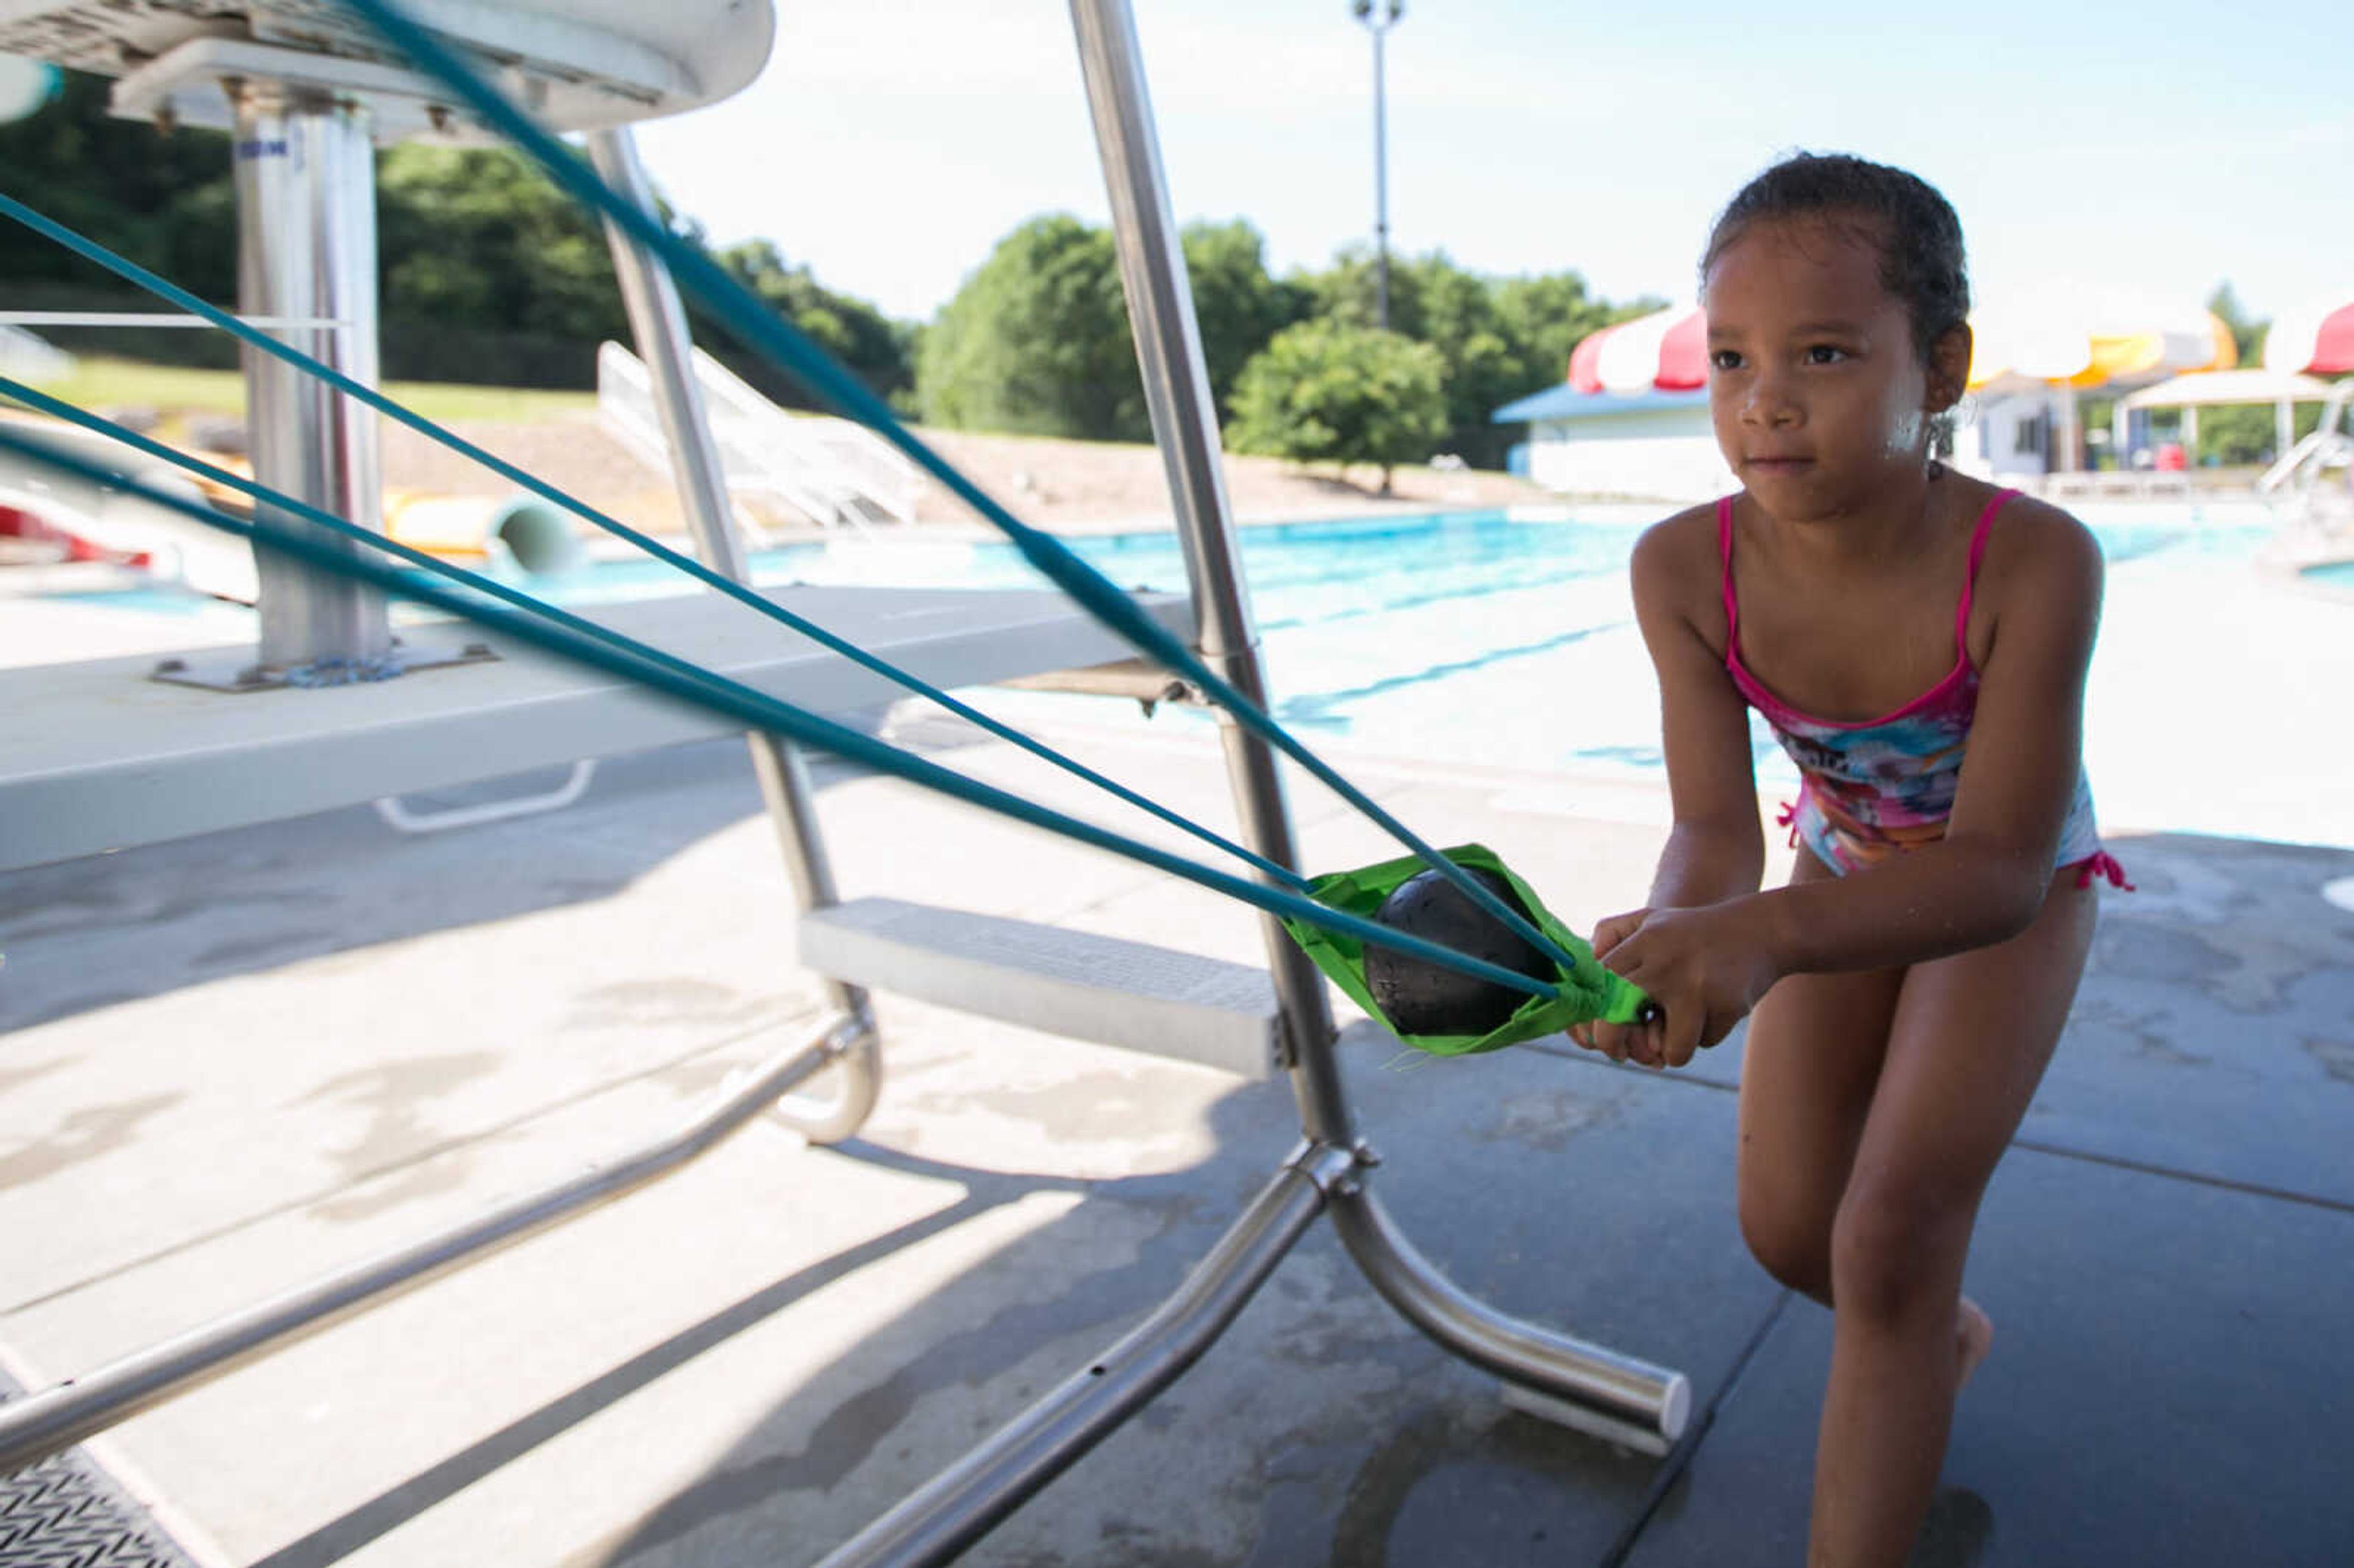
[1296,1514]
[1956,1534]
[1105,1102]
[84,1134]
[1133,1546]
[1459,1484]
[1321,1337]
[67,1007]
[968,1356]
[2131,950]
[693,1080]
[11,1076]
[2336,1056]
[113,909]
[393,1096]
[270,948]
[1547,1119]
[2150,1045]
[654,1004]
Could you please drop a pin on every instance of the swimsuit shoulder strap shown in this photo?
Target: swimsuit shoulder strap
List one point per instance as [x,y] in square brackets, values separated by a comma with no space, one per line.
[1969,581]
[1724,556]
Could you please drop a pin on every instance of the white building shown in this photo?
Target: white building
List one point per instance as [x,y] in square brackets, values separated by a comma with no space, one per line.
[1654,445]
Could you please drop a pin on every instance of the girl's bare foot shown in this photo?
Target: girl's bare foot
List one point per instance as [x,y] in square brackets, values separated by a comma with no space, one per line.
[1973,1335]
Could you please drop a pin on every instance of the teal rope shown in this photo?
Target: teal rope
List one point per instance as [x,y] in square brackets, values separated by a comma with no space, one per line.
[559,632]
[784,347]
[130,270]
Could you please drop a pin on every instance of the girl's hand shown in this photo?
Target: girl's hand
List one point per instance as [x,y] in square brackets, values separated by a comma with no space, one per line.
[1619,1042]
[1706,968]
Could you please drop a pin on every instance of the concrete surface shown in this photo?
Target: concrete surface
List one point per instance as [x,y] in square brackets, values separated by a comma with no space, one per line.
[236,1061]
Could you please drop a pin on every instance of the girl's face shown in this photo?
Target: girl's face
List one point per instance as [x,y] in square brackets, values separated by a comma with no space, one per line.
[1818,397]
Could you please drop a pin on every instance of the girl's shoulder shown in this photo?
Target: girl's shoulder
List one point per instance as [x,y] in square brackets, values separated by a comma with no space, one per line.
[2030,542]
[1680,553]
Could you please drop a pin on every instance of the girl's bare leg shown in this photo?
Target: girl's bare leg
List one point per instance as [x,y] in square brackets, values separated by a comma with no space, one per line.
[1969,1042]
[1812,1060]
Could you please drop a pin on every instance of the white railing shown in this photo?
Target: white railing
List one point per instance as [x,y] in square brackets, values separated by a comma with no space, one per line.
[833,471]
[2327,446]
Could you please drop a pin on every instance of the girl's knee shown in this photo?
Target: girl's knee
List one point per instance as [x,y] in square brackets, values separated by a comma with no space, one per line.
[1894,1244]
[1792,1246]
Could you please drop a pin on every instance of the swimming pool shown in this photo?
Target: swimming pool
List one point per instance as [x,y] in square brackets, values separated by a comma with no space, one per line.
[1473,639]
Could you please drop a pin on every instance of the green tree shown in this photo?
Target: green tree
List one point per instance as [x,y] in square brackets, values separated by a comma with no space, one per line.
[875,348]
[2242,435]
[2247,332]
[1501,339]
[488,273]
[1036,341]
[476,236]
[1237,306]
[1325,391]
[1545,317]
[160,198]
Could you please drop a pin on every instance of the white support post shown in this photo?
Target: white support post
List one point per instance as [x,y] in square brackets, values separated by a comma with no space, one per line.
[306,249]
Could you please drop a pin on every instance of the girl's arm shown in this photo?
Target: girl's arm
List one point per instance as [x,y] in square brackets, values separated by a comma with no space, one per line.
[1716,849]
[1983,883]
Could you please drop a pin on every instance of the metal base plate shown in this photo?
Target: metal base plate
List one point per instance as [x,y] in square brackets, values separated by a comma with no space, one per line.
[65,1509]
[238,670]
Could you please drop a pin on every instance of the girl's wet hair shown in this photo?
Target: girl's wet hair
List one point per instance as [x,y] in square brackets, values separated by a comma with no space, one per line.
[1902,215]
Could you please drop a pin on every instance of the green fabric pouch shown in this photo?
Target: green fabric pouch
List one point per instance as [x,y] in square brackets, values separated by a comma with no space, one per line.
[1588,993]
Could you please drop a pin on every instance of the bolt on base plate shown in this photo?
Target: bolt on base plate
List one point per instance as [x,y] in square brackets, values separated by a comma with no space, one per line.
[235,671]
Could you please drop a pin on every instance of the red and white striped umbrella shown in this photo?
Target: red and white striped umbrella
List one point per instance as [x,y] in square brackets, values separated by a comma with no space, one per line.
[2317,337]
[1665,352]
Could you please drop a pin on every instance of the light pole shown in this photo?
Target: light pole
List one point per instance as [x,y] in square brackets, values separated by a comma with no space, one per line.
[1379,18]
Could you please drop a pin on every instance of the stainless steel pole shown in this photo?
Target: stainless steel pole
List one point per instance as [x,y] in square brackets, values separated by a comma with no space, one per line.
[1621,1396]
[964,1502]
[59,1417]
[658,322]
[1177,391]
[1185,423]
[305,177]
[1380,183]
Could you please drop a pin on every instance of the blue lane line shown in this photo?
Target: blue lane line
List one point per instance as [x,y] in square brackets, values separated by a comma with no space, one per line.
[91,250]
[559,632]
[786,347]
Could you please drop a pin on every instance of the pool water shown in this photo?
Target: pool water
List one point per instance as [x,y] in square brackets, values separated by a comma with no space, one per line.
[1463,636]
[1469,639]
[1472,639]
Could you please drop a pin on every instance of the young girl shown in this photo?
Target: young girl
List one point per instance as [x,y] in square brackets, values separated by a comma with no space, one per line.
[1918,641]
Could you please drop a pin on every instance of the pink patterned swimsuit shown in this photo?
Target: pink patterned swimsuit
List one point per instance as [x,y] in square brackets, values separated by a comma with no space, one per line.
[1882,786]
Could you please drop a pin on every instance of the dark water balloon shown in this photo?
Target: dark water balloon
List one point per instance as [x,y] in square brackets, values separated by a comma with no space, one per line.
[1420,998]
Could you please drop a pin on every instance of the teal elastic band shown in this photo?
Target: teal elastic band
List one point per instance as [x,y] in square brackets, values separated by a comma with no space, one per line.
[742,593]
[786,347]
[559,631]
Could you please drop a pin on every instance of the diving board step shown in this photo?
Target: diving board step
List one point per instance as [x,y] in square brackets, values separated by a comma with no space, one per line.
[1074,983]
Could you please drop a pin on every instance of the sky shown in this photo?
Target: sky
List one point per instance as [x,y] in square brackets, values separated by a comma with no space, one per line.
[2138,150]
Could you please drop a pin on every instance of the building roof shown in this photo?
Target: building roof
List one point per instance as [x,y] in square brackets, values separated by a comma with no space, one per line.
[1566,402]
[2206,388]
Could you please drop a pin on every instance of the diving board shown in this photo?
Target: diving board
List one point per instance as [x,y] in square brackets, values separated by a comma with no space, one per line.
[99,754]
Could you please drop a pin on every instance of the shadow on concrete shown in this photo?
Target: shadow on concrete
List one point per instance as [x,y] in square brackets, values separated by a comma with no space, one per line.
[380,1515]
[250,900]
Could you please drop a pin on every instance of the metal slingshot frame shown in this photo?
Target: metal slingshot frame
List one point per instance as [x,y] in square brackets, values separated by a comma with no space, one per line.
[321,449]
